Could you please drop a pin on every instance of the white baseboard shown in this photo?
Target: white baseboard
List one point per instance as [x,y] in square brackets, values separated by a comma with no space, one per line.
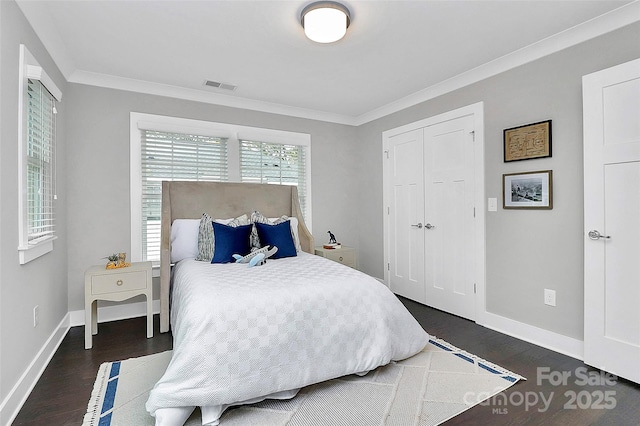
[12,404]
[16,398]
[532,334]
[529,333]
[115,312]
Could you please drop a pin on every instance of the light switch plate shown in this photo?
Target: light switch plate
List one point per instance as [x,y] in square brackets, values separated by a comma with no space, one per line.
[492,204]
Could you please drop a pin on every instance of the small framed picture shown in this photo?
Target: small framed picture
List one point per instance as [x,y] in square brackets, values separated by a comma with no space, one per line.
[528,190]
[526,142]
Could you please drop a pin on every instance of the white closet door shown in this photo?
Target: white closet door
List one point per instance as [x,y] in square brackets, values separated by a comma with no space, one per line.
[449,216]
[406,213]
[612,220]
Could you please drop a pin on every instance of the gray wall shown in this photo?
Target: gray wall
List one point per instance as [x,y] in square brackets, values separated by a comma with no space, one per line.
[526,251]
[42,281]
[97,171]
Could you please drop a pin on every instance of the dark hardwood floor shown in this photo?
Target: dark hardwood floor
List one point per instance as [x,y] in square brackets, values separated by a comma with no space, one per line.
[61,395]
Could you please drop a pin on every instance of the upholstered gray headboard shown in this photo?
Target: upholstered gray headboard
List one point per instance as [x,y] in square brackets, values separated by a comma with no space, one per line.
[189,200]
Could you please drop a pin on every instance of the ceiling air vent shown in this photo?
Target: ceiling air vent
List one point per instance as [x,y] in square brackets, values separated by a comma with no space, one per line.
[218,85]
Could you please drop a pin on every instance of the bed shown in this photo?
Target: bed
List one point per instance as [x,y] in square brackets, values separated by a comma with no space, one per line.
[242,334]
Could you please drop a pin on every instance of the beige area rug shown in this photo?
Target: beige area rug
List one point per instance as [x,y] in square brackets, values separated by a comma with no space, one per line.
[427,389]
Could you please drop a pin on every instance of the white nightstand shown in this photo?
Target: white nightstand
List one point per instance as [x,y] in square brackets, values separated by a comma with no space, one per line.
[115,285]
[344,255]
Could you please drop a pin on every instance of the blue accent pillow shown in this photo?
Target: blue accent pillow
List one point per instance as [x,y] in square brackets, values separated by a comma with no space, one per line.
[277,235]
[230,240]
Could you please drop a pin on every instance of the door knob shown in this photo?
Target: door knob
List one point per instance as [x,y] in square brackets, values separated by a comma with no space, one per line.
[419,225]
[595,235]
[429,226]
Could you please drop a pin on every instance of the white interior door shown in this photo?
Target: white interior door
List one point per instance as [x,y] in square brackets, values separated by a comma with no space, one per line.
[406,213]
[612,220]
[431,188]
[449,216]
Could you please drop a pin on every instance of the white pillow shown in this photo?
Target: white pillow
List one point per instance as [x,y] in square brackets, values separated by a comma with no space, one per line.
[184,239]
[293,221]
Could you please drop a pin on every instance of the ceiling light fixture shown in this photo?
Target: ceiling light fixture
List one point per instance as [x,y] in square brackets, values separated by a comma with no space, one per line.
[325,21]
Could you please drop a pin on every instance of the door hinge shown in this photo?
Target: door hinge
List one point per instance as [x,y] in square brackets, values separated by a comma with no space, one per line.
[387,154]
[388,210]
[474,212]
[474,288]
[473,135]
[388,266]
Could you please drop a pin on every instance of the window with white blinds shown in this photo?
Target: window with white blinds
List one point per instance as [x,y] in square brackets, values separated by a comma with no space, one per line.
[172,148]
[174,156]
[273,163]
[36,159]
[41,131]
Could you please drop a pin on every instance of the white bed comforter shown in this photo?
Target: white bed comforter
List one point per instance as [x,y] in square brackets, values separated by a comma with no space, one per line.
[241,334]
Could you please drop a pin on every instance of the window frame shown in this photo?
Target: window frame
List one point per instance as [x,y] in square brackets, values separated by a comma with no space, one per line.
[30,69]
[232,132]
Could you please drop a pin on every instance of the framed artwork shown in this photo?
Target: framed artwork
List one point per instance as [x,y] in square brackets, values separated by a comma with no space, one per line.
[528,190]
[526,142]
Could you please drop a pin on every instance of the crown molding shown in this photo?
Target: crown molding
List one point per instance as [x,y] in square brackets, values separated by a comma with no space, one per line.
[141,86]
[611,21]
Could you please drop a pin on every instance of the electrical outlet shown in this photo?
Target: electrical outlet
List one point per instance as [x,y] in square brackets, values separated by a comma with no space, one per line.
[549,297]
[36,315]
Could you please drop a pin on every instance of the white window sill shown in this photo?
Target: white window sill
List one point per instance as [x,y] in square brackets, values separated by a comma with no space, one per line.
[34,251]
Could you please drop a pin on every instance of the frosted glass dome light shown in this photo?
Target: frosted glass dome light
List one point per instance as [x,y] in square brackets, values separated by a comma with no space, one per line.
[325,21]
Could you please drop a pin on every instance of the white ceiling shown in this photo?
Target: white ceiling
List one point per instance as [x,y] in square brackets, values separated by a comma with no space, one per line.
[395,53]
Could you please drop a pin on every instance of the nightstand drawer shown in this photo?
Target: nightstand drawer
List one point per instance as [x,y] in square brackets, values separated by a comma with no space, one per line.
[346,257]
[113,283]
